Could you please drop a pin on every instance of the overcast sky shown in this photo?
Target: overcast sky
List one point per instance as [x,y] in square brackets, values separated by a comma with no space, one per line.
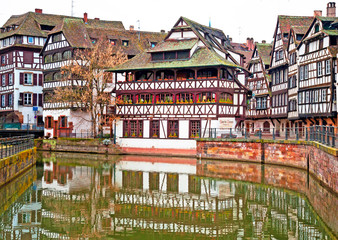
[237,18]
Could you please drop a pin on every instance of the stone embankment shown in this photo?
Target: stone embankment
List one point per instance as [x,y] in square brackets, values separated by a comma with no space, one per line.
[14,165]
[317,159]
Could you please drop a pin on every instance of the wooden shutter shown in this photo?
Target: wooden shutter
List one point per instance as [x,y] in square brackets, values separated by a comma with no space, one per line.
[52,123]
[40,100]
[46,122]
[10,58]
[21,97]
[34,99]
[28,57]
[40,79]
[7,99]
[35,77]
[7,79]
[21,78]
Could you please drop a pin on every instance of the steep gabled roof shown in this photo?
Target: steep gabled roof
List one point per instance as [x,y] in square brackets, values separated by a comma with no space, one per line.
[329,28]
[264,51]
[30,24]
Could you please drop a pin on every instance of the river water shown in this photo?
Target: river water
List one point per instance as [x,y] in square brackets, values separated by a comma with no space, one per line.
[79,196]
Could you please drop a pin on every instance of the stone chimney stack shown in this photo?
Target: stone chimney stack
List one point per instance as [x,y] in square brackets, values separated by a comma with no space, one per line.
[38,10]
[131,28]
[263,41]
[250,44]
[317,13]
[85,18]
[331,9]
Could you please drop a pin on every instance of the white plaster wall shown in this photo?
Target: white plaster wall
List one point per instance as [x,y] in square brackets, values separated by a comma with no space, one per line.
[163,128]
[157,143]
[184,128]
[146,127]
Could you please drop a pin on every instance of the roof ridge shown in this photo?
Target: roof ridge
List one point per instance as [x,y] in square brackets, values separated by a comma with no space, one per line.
[211,28]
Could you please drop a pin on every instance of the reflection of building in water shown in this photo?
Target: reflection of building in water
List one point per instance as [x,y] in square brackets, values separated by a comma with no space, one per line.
[165,197]
[22,219]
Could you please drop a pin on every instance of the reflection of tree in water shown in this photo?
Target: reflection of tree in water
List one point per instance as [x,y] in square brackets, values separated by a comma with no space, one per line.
[86,204]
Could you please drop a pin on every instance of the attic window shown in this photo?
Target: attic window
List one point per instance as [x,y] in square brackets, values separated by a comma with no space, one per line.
[125,43]
[93,40]
[46,27]
[317,28]
[299,37]
[153,44]
[56,37]
[172,55]
[112,42]
[285,35]
[31,40]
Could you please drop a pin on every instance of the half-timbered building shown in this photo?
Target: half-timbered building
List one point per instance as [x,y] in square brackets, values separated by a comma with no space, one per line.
[317,72]
[174,92]
[64,119]
[21,39]
[279,69]
[258,114]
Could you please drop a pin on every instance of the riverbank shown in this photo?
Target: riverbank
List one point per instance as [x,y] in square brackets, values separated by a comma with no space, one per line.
[320,160]
[316,158]
[13,166]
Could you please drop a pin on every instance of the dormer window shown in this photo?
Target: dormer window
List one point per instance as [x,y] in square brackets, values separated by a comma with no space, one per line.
[113,41]
[172,55]
[317,28]
[125,43]
[153,44]
[57,37]
[285,35]
[299,37]
[93,40]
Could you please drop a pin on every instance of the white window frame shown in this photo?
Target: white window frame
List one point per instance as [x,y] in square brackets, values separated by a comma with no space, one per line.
[301,72]
[327,66]
[27,99]
[10,100]
[323,95]
[316,96]
[10,79]
[306,72]
[307,97]
[319,69]
[3,80]
[27,80]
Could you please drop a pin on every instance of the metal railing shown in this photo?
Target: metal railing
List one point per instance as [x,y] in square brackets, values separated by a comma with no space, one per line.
[13,145]
[73,133]
[20,126]
[326,135]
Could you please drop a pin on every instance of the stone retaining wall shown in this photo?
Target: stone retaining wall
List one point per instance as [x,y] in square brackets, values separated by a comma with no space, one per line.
[11,167]
[323,200]
[320,160]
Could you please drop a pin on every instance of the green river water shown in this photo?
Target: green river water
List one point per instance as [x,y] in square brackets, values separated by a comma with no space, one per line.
[79,196]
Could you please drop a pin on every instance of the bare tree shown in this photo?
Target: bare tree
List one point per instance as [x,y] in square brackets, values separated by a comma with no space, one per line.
[86,85]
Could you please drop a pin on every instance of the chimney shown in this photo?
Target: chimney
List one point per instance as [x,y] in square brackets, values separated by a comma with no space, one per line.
[85,18]
[38,10]
[250,44]
[331,9]
[162,31]
[263,41]
[317,13]
[131,28]
[97,18]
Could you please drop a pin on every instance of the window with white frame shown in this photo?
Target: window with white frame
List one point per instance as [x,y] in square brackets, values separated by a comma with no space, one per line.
[259,85]
[300,100]
[3,60]
[10,79]
[28,78]
[301,73]
[3,80]
[306,72]
[327,67]
[277,77]
[258,103]
[10,100]
[307,97]
[323,95]
[27,99]
[316,96]
[319,69]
